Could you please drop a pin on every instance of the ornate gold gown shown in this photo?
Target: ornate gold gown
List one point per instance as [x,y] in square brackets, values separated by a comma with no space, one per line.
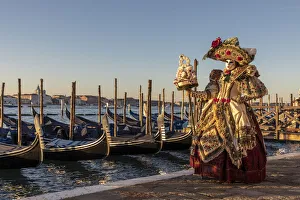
[228,143]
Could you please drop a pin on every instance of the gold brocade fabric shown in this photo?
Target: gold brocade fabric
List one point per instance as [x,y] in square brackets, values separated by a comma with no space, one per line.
[225,123]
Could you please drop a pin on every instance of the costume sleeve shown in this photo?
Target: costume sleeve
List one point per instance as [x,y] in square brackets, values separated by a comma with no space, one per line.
[211,91]
[250,87]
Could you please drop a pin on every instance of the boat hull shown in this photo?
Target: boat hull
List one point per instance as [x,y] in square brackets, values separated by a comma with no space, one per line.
[138,147]
[30,156]
[95,150]
[177,141]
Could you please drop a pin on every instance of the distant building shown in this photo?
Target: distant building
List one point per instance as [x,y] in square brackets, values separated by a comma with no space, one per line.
[10,100]
[297,100]
[58,99]
[58,96]
[132,101]
[88,99]
[34,98]
[91,100]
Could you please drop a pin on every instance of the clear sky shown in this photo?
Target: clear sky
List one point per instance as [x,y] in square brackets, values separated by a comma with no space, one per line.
[93,42]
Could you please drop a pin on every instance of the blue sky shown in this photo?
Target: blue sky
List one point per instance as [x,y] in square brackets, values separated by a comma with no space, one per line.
[93,42]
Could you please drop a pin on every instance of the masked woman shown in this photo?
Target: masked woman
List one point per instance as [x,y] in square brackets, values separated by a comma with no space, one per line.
[227,142]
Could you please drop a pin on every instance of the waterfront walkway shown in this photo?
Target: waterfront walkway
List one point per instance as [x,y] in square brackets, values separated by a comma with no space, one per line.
[283,182]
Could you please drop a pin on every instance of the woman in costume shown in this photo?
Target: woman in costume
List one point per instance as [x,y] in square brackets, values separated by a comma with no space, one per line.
[227,142]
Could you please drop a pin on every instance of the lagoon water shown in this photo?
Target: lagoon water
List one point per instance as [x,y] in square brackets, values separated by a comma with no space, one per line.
[57,176]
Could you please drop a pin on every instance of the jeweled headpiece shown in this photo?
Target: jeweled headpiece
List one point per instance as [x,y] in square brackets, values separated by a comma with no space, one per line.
[186,76]
[230,50]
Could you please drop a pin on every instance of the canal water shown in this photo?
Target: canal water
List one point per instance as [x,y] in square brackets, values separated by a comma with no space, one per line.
[58,176]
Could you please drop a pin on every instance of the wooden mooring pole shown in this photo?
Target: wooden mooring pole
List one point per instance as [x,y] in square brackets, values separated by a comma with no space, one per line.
[19,113]
[99,105]
[142,104]
[172,113]
[269,102]
[277,128]
[62,102]
[148,121]
[42,102]
[72,104]
[182,106]
[163,102]
[2,105]
[150,106]
[159,104]
[261,104]
[140,107]
[195,89]
[124,107]
[115,107]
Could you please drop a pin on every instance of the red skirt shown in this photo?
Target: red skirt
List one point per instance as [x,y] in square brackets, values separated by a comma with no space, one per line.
[252,170]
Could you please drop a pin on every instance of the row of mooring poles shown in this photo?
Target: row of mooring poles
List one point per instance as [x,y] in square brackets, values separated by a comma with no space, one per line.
[72,107]
[148,108]
[280,100]
[19,136]
[148,115]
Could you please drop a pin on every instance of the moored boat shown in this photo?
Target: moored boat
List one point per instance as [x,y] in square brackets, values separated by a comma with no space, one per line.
[16,157]
[128,121]
[142,143]
[70,150]
[174,140]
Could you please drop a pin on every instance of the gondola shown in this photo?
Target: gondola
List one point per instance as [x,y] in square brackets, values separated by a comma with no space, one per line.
[56,129]
[139,144]
[175,140]
[169,116]
[128,121]
[16,157]
[51,126]
[96,129]
[123,143]
[131,126]
[93,129]
[81,120]
[70,150]
[27,128]
[137,116]
[154,117]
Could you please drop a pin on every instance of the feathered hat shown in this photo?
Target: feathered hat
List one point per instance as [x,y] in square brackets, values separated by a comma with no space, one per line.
[230,50]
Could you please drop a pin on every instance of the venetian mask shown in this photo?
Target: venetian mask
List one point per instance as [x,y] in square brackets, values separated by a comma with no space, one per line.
[230,64]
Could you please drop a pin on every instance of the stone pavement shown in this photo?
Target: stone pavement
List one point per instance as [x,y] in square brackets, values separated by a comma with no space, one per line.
[282,182]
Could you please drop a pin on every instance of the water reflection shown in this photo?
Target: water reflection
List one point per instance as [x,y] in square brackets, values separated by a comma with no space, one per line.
[53,176]
[15,185]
